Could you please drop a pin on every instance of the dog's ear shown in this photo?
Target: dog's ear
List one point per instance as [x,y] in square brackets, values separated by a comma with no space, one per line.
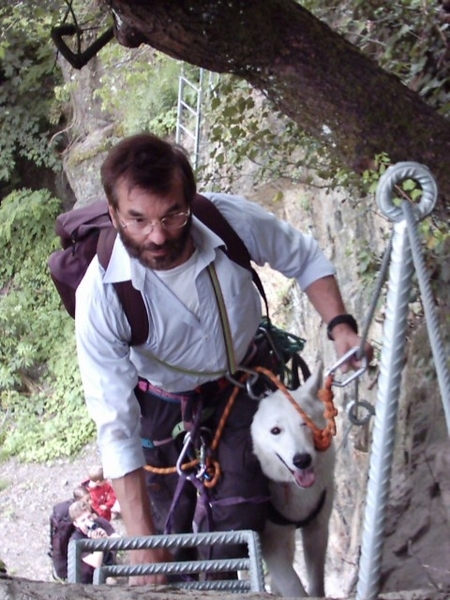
[314,381]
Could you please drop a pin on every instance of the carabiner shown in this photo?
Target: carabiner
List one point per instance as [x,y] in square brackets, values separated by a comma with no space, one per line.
[251,381]
[247,385]
[202,455]
[186,443]
[353,352]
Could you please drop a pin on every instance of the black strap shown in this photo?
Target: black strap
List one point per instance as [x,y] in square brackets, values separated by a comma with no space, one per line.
[131,298]
[299,364]
[276,517]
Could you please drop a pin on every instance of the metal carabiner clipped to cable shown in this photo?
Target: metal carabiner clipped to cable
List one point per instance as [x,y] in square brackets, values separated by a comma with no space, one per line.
[356,351]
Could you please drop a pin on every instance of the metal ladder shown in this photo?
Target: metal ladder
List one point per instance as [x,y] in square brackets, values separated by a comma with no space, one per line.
[253,564]
[189,115]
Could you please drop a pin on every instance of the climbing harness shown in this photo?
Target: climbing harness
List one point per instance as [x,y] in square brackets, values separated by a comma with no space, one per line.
[406,254]
[196,462]
[208,469]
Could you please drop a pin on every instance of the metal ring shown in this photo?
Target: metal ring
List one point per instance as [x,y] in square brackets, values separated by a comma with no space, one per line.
[353,406]
[396,174]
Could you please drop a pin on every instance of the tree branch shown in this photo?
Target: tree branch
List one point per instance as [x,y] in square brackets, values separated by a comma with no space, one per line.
[78,59]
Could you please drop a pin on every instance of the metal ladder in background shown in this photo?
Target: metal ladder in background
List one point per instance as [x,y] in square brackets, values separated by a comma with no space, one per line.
[190,97]
[192,93]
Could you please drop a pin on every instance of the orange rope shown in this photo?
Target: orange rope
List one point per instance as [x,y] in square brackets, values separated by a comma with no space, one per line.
[226,413]
[322,437]
[169,470]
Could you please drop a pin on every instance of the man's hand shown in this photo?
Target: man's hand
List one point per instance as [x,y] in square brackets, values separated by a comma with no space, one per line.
[345,339]
[132,495]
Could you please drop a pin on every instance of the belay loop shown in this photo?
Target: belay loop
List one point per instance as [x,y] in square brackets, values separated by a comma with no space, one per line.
[322,437]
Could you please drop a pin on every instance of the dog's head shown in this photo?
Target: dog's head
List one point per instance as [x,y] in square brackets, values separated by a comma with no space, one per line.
[282,441]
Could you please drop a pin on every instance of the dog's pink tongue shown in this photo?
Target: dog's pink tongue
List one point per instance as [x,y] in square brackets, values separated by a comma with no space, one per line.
[305,477]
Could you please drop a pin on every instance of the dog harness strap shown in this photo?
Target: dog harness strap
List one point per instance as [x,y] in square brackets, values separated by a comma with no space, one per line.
[276,517]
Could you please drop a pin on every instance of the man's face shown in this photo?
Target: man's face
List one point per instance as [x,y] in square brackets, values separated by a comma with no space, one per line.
[138,221]
[84,521]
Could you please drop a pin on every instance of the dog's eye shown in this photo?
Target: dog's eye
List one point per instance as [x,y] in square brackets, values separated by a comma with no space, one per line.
[275,431]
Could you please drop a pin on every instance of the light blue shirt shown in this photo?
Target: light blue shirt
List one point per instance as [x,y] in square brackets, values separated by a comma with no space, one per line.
[183,349]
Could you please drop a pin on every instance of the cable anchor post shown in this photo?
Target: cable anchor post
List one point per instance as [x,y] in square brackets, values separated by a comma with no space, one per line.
[391,365]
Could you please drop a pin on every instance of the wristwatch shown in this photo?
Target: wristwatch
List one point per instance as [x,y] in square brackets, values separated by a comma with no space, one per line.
[339,320]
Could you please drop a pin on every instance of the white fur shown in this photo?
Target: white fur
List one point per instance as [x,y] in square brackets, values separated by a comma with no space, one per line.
[280,436]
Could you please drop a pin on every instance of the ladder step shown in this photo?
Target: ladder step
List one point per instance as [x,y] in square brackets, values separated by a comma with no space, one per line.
[252,564]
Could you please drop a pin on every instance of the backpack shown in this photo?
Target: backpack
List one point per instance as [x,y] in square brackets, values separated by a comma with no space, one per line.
[61,528]
[87,231]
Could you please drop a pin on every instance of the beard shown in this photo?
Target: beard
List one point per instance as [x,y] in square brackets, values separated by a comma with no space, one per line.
[174,249]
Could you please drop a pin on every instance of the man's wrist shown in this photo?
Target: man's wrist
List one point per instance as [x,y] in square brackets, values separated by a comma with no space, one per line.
[345,319]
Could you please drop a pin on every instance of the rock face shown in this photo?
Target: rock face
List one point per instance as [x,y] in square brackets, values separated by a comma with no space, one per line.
[416,528]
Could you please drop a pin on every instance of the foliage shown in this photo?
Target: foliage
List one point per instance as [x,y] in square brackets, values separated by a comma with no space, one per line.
[38,376]
[141,88]
[27,70]
[247,137]
[410,39]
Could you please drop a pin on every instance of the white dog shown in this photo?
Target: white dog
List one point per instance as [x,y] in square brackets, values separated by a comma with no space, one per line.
[301,487]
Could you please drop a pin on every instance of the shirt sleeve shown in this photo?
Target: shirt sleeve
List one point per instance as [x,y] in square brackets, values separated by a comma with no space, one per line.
[108,375]
[273,241]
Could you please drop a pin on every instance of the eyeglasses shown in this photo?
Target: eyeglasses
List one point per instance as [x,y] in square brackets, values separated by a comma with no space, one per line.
[141,225]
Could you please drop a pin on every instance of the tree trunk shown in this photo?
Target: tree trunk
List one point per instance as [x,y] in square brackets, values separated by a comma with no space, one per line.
[309,72]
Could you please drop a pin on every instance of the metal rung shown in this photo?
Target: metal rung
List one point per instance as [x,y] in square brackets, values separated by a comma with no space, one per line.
[253,564]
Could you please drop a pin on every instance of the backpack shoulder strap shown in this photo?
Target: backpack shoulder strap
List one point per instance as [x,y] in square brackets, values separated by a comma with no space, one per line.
[236,250]
[130,298]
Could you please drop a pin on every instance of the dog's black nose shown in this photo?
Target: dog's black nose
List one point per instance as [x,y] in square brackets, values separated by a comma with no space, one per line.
[302,461]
